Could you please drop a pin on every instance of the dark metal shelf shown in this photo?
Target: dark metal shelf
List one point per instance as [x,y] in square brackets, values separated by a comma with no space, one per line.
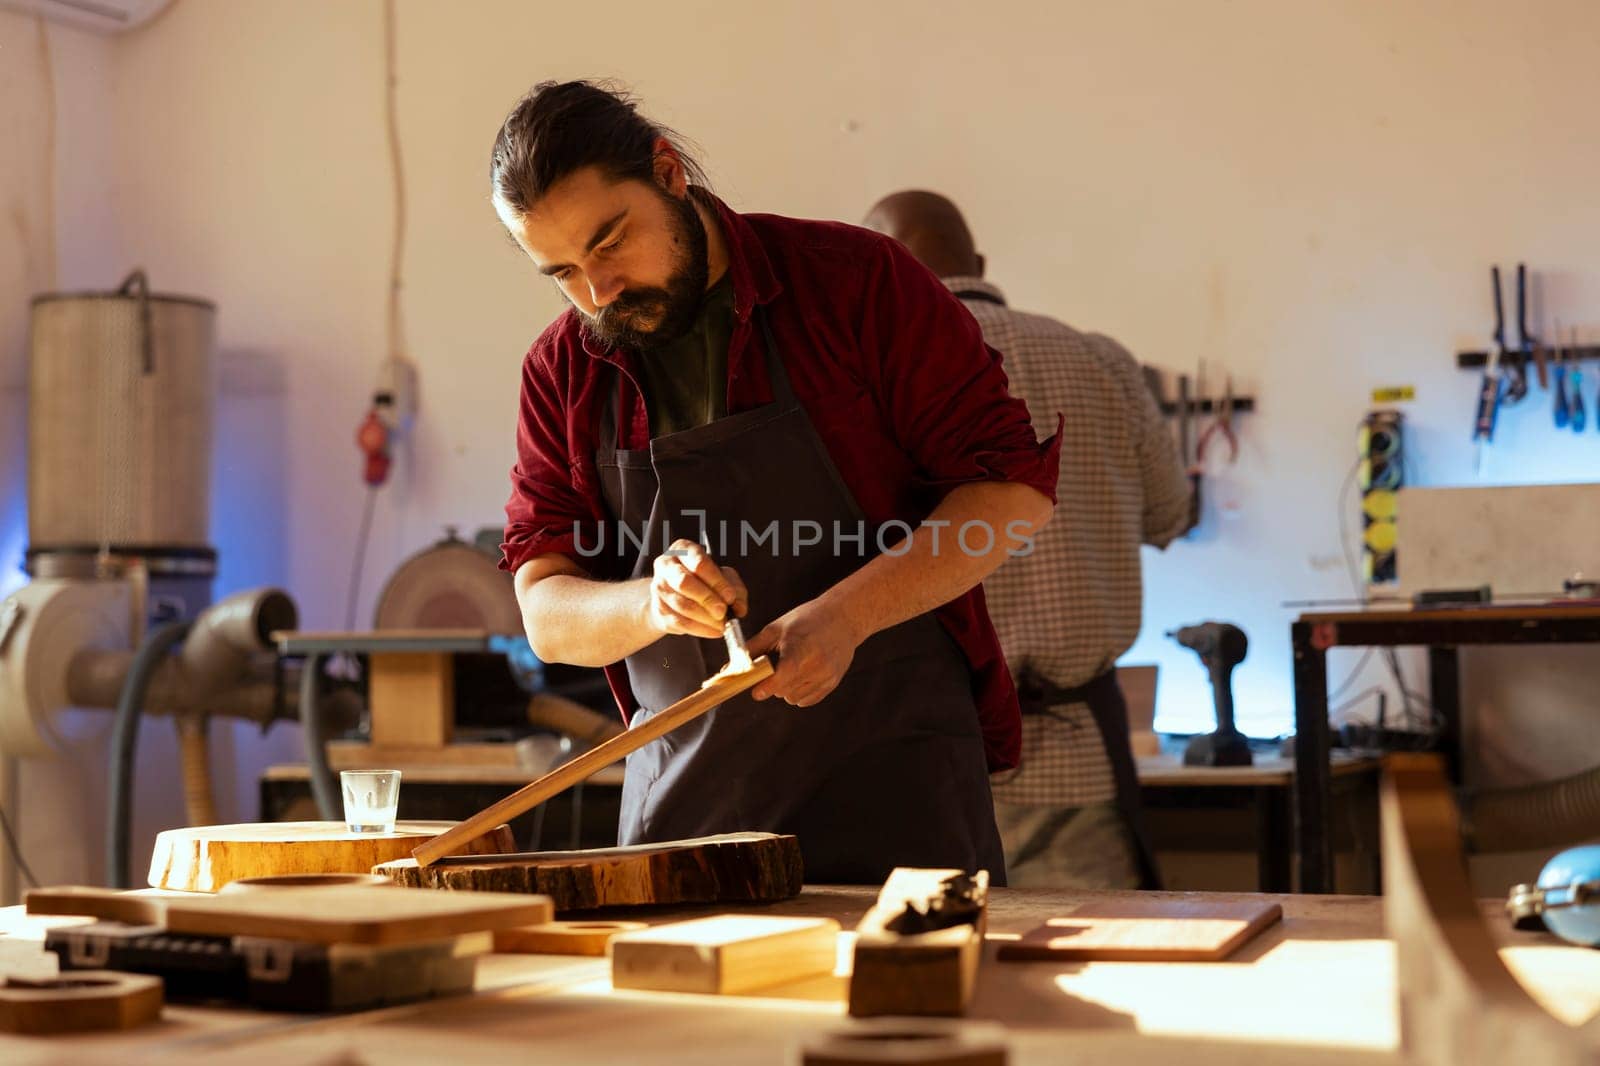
[1477,360]
[1241,405]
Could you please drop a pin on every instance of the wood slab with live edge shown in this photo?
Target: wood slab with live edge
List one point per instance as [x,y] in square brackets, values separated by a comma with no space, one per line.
[732,868]
[339,914]
[204,858]
[1154,929]
[716,691]
[917,950]
[724,954]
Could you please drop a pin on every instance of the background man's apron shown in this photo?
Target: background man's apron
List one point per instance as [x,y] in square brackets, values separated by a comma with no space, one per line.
[1110,711]
[889,769]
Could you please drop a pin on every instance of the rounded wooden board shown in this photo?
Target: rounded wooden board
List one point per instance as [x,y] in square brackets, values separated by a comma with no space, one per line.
[80,1001]
[204,858]
[562,938]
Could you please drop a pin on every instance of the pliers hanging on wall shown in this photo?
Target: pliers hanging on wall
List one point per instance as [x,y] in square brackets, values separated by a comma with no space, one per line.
[1221,423]
[1530,346]
[1516,362]
[1489,392]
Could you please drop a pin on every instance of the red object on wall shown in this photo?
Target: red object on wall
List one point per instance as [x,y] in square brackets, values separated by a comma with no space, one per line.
[373,439]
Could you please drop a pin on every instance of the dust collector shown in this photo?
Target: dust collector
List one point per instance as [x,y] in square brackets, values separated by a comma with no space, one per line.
[120,411]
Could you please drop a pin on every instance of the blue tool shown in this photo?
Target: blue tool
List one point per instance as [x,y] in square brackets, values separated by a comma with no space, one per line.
[1566,900]
[1575,383]
[1563,414]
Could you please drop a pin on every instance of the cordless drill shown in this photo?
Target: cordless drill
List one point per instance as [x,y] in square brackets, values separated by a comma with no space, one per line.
[1221,647]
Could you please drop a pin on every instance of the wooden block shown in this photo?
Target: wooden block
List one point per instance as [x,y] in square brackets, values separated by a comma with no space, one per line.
[724,954]
[1153,929]
[413,698]
[82,1001]
[923,1042]
[920,973]
[204,858]
[346,914]
[733,868]
[563,938]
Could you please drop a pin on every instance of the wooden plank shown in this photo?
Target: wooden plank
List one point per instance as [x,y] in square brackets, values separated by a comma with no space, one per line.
[1460,1005]
[345,914]
[563,938]
[413,698]
[736,867]
[724,954]
[1156,929]
[716,691]
[79,1002]
[1510,613]
[920,973]
[205,858]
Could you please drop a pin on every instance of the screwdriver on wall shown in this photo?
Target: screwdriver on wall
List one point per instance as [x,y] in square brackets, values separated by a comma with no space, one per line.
[1576,382]
[1562,413]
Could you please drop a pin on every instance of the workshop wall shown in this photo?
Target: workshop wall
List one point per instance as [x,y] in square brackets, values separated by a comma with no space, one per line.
[1305,195]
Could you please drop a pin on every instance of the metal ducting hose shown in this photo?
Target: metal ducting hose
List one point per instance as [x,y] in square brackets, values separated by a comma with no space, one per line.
[1552,814]
[194,754]
[124,739]
[324,786]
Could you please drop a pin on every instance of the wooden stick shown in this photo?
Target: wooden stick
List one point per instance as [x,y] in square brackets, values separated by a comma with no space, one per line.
[592,761]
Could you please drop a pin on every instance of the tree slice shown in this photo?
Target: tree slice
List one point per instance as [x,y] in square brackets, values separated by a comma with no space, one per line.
[735,867]
[204,858]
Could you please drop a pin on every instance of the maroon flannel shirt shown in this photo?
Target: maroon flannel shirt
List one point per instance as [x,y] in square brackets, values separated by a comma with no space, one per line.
[891,368]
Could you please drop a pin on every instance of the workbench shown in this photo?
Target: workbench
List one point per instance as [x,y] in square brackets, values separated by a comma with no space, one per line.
[1319,988]
[1441,631]
[1208,809]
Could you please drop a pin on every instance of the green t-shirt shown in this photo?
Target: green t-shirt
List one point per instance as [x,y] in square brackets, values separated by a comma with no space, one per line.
[686,382]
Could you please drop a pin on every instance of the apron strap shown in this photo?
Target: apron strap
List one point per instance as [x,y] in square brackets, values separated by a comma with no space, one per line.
[611,413]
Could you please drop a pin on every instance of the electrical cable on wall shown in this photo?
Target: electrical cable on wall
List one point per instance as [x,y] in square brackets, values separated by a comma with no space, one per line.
[16,850]
[391,400]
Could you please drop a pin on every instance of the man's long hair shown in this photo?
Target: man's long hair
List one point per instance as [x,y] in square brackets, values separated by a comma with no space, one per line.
[561,127]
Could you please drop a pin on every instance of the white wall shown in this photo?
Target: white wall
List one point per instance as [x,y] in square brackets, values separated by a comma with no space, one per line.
[1306,194]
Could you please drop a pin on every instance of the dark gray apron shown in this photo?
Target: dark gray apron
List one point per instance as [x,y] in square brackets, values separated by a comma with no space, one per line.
[1110,711]
[888,770]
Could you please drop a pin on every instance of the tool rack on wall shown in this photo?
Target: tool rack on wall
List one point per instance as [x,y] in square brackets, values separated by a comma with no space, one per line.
[1478,360]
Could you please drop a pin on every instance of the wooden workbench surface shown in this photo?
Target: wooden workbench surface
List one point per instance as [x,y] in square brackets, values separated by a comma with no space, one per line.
[1317,989]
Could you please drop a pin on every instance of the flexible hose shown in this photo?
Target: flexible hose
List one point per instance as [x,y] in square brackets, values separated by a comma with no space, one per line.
[324,786]
[1545,815]
[124,739]
[194,755]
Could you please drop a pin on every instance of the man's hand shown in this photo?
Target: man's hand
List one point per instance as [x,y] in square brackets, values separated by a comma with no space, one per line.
[815,646]
[691,594]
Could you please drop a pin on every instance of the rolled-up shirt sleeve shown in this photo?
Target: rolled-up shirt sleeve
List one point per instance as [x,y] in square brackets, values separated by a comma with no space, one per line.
[546,510]
[944,390]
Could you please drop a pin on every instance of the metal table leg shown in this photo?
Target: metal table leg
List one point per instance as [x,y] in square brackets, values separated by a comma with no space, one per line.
[1444,677]
[1311,773]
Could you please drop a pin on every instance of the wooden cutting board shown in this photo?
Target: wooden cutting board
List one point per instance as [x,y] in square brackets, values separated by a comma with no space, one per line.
[1146,930]
[340,914]
[204,858]
[735,867]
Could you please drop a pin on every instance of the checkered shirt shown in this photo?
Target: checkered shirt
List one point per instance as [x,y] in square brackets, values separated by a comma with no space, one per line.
[1071,608]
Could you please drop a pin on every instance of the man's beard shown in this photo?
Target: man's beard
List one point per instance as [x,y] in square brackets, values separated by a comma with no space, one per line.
[673,307]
